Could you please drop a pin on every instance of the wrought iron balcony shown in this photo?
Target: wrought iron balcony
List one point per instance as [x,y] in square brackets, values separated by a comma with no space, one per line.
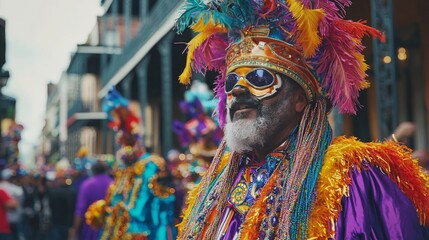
[78,106]
[150,25]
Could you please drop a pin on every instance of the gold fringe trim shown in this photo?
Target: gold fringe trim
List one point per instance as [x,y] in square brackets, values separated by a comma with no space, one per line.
[334,180]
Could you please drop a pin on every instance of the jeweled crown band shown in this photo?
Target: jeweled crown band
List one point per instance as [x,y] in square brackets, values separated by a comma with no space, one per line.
[276,55]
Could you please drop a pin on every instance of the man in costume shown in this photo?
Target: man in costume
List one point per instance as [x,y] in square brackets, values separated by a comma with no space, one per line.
[137,205]
[200,133]
[279,174]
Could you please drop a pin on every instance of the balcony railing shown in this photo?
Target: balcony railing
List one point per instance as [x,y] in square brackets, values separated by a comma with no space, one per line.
[155,19]
[78,106]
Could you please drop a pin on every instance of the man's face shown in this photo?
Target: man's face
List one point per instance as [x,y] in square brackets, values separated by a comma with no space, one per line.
[252,122]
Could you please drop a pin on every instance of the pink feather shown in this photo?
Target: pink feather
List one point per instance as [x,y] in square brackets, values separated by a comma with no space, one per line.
[340,69]
[210,55]
[333,10]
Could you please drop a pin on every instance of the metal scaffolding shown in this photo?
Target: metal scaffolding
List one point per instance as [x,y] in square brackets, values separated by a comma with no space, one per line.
[384,68]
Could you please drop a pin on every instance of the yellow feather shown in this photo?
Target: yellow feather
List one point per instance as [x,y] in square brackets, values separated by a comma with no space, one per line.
[362,67]
[307,22]
[205,31]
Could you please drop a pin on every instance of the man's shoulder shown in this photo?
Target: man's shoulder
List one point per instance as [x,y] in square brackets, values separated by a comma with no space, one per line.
[392,158]
[355,150]
[352,169]
[347,157]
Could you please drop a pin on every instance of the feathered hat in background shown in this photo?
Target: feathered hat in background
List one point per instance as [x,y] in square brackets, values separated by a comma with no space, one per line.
[310,42]
[199,133]
[125,123]
[311,35]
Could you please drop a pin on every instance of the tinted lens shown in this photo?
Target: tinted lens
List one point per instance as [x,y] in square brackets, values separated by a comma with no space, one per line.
[260,78]
[230,81]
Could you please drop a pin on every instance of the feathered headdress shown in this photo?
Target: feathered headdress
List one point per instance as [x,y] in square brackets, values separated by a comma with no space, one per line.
[120,117]
[329,48]
[125,123]
[200,133]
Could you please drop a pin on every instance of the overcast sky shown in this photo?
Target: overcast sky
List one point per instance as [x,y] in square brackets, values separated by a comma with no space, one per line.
[40,37]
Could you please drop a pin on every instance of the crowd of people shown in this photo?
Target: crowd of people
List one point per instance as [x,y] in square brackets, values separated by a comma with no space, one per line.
[38,205]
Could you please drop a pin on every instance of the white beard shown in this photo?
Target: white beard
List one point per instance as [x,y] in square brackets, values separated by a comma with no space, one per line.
[244,135]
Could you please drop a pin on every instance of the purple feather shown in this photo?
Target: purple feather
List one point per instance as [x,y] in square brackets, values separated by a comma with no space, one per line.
[210,55]
[182,133]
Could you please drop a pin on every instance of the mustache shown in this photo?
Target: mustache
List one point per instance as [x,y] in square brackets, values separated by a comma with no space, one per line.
[248,101]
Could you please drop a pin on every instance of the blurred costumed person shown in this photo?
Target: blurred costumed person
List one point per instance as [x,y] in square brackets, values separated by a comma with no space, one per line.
[137,205]
[9,151]
[280,174]
[199,136]
[14,216]
[7,202]
[91,190]
[62,202]
[81,166]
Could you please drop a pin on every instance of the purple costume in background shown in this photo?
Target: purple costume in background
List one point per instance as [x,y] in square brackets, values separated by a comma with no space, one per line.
[91,190]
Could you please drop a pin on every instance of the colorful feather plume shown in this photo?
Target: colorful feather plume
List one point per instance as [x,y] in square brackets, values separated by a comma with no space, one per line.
[196,10]
[205,30]
[210,55]
[340,70]
[307,23]
[359,29]
[121,118]
[331,45]
[342,65]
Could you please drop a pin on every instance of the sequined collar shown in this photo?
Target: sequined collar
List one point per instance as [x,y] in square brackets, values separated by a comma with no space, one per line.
[253,175]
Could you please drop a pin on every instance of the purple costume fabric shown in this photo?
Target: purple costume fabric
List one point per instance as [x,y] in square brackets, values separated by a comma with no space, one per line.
[377,209]
[91,190]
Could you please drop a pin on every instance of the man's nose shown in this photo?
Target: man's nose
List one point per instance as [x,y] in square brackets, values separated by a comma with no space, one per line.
[240,88]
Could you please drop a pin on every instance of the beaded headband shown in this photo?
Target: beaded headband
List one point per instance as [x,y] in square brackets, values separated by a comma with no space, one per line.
[258,50]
